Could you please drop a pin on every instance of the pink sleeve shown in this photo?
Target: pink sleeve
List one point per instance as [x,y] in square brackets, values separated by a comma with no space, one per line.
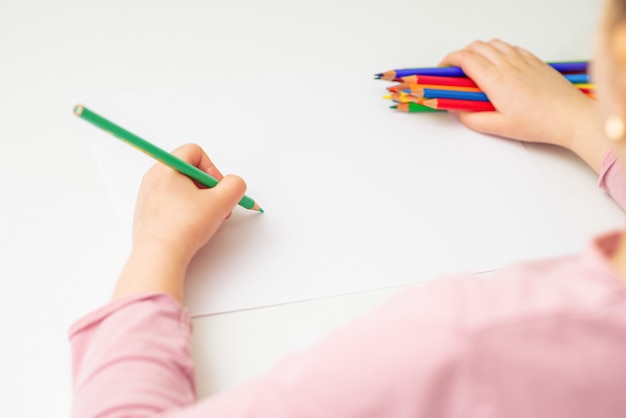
[463,347]
[132,358]
[404,359]
[613,179]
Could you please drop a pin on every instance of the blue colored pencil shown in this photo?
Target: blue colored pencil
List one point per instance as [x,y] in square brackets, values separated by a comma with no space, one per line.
[571,66]
[578,78]
[563,67]
[454,94]
[438,71]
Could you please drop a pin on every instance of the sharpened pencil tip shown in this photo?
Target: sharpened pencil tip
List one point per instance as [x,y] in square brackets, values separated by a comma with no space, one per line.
[257,208]
[393,107]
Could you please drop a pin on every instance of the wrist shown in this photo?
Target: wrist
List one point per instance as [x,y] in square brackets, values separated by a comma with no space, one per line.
[153,267]
[166,254]
[587,139]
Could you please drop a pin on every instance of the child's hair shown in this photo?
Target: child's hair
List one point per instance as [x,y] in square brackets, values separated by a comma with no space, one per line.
[617,12]
[621,6]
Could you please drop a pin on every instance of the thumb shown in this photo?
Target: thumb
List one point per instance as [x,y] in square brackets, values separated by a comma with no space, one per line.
[227,193]
[483,122]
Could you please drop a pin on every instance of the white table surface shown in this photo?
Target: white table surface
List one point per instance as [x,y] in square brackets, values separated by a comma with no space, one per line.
[62,243]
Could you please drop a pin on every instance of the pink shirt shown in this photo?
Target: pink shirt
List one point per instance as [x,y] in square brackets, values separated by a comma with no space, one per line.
[544,339]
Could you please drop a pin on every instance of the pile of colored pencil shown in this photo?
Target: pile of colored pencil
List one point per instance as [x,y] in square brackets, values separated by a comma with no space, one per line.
[448,88]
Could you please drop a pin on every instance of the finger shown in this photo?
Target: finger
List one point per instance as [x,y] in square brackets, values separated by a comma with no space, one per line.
[473,63]
[227,193]
[524,56]
[529,56]
[515,54]
[504,48]
[487,50]
[454,113]
[195,155]
[465,59]
[484,122]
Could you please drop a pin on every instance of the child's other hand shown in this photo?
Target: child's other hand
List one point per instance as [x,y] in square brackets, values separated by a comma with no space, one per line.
[534,102]
[176,215]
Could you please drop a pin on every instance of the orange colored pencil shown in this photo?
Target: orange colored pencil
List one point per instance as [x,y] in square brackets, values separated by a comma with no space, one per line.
[401,97]
[418,97]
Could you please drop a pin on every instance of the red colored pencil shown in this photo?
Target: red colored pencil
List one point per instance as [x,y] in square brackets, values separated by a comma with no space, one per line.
[418,87]
[462,105]
[421,87]
[438,80]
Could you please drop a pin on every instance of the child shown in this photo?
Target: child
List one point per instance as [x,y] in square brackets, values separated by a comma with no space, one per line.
[540,339]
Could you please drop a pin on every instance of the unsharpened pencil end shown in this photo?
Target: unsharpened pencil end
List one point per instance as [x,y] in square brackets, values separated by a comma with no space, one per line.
[78,110]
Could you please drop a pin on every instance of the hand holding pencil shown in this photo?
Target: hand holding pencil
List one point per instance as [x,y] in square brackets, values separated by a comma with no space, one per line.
[174,218]
[175,213]
[182,202]
[534,102]
[528,100]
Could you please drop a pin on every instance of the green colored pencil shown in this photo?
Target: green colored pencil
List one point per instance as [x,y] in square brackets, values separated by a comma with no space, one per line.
[414,108]
[156,152]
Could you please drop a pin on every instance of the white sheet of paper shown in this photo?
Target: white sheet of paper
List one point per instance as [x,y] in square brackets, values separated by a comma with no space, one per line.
[357,196]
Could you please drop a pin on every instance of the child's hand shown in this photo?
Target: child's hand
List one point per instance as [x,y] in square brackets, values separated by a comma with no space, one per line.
[172,212]
[534,102]
[173,219]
